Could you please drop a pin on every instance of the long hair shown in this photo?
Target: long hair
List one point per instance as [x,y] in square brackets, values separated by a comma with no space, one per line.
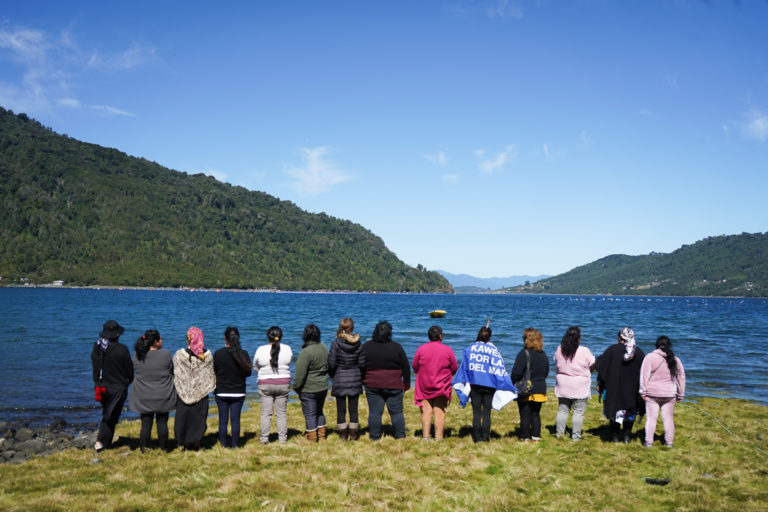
[533,339]
[144,342]
[274,335]
[665,344]
[347,325]
[570,342]
[382,332]
[484,334]
[311,333]
[232,335]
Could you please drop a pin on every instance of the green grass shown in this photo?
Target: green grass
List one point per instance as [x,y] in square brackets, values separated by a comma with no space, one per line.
[709,469]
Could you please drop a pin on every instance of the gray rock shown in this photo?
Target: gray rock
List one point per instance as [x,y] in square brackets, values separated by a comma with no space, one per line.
[24,434]
[8,454]
[31,447]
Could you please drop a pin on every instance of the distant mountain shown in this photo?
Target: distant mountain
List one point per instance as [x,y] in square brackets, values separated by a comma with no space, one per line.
[86,215]
[733,265]
[485,283]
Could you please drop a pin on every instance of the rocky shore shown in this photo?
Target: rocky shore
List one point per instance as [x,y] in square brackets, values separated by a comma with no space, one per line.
[19,443]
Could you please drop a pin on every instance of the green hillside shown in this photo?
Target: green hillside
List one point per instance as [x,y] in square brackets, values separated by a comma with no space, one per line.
[86,215]
[735,265]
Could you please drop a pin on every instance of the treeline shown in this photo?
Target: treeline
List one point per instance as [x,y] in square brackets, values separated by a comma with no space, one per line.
[734,265]
[87,215]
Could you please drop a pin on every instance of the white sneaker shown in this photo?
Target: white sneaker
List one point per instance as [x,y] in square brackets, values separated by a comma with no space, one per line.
[98,446]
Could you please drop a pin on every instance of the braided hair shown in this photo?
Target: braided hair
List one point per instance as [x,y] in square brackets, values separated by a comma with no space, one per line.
[274,335]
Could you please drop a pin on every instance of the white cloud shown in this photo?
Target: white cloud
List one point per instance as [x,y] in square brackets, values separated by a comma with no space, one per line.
[221,176]
[585,139]
[438,159]
[110,111]
[133,57]
[756,125]
[497,162]
[50,67]
[505,9]
[545,149]
[317,173]
[451,178]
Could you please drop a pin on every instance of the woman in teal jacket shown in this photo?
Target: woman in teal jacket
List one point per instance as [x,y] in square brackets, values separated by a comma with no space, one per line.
[311,382]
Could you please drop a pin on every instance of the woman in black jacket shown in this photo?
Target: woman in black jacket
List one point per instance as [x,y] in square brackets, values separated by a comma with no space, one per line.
[529,405]
[346,362]
[232,365]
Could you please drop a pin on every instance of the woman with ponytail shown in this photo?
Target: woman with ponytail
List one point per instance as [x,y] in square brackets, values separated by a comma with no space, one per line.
[153,394]
[232,365]
[346,362]
[273,364]
[662,383]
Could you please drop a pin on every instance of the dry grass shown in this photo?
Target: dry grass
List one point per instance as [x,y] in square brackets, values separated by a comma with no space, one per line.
[709,469]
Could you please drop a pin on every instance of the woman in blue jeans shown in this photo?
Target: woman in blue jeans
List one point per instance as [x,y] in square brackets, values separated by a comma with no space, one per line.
[387,377]
[232,365]
[311,382]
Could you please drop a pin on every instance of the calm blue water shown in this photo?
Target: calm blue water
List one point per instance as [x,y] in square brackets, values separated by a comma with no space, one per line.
[46,335]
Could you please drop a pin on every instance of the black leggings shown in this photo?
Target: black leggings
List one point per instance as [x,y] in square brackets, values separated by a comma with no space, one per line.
[146,428]
[530,420]
[481,398]
[341,408]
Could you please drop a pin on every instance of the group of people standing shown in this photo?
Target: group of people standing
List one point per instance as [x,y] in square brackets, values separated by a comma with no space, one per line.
[628,382]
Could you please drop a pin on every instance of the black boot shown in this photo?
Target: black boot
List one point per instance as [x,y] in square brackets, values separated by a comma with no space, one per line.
[627,434]
[615,432]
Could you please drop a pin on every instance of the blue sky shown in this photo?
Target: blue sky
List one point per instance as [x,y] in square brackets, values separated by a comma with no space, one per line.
[490,138]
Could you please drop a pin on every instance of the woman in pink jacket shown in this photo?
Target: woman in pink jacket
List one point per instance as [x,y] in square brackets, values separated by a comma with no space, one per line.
[662,383]
[572,383]
[434,364]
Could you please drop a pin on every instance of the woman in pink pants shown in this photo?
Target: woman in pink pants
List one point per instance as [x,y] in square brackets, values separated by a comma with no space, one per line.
[662,383]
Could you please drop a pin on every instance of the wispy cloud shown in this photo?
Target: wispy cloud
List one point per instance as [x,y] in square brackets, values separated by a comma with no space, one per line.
[317,173]
[451,178]
[585,139]
[504,9]
[221,176]
[496,162]
[438,159]
[756,125]
[50,66]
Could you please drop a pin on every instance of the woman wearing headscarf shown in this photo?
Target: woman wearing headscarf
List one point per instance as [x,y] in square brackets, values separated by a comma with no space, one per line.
[572,383]
[112,373]
[662,383]
[618,377]
[273,364]
[311,382]
[153,395]
[194,378]
[529,404]
[346,362]
[232,365]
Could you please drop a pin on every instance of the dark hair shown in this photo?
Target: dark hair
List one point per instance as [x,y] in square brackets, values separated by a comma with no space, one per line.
[144,342]
[274,335]
[232,335]
[435,333]
[382,332]
[311,333]
[665,344]
[570,342]
[484,334]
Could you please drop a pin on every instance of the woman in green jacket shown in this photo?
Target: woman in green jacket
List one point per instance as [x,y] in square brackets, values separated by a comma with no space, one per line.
[311,382]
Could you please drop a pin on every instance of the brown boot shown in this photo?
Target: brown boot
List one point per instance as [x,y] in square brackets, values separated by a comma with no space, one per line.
[343,431]
[312,436]
[354,435]
[321,433]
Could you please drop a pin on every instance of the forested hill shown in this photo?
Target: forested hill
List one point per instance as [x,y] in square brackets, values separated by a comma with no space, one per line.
[735,265]
[86,214]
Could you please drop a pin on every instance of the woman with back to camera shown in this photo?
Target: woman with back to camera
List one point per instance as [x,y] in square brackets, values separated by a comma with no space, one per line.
[618,376]
[435,365]
[194,378]
[387,377]
[153,395]
[573,382]
[232,365]
[273,364]
[346,362]
[311,382]
[662,383]
[529,405]
[482,379]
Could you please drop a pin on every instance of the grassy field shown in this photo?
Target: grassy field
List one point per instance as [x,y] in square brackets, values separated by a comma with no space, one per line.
[719,462]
